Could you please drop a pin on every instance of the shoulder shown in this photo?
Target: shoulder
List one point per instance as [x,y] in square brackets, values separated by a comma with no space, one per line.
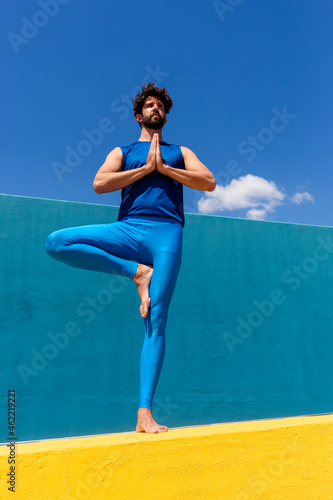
[184,150]
[116,153]
[187,152]
[124,150]
[129,146]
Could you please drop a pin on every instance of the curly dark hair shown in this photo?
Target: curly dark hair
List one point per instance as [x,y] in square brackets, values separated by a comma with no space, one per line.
[149,89]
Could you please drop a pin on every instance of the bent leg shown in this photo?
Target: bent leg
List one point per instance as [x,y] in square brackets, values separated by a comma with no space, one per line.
[102,247]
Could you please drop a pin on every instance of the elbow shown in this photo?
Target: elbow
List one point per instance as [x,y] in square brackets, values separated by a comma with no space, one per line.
[97,187]
[211,185]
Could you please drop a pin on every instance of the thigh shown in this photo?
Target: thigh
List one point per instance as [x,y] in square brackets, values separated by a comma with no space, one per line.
[116,238]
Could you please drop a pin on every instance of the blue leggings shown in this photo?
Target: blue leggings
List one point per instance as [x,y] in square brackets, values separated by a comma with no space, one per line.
[112,248]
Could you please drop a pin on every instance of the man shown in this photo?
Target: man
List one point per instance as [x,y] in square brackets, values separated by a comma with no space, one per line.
[145,244]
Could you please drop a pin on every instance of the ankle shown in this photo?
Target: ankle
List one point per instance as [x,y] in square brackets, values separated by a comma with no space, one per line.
[145,410]
[138,272]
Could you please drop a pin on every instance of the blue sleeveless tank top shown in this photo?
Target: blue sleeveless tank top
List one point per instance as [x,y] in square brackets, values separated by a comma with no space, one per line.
[155,193]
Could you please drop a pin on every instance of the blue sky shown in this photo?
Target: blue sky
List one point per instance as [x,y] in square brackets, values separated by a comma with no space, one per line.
[251,84]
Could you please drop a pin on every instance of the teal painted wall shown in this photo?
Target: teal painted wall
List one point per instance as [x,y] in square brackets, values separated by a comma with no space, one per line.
[249,334]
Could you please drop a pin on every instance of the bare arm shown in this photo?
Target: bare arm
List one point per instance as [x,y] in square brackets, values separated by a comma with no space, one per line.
[110,177]
[196,175]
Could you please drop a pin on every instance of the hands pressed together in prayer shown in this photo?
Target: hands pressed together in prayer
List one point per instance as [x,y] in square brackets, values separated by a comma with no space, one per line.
[154,158]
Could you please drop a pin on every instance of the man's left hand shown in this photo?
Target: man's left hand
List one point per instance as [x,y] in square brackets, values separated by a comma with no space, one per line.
[159,164]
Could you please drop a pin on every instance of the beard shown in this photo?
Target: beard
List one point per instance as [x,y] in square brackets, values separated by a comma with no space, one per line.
[152,122]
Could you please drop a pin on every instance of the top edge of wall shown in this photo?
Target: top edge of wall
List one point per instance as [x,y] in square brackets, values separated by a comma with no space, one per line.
[186,213]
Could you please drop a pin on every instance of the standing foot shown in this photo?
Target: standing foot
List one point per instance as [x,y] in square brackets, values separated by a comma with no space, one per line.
[147,424]
[142,279]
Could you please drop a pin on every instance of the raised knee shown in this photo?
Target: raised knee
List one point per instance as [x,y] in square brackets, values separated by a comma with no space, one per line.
[52,245]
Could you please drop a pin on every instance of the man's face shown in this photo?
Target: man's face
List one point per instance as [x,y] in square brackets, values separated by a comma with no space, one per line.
[153,114]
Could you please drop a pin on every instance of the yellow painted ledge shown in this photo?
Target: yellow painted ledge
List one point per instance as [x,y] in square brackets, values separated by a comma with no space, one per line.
[277,459]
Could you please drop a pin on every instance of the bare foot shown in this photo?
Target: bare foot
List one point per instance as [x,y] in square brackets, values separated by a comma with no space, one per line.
[142,279]
[146,423]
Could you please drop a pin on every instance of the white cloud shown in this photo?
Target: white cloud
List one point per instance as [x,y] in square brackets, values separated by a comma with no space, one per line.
[250,192]
[301,196]
[256,213]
